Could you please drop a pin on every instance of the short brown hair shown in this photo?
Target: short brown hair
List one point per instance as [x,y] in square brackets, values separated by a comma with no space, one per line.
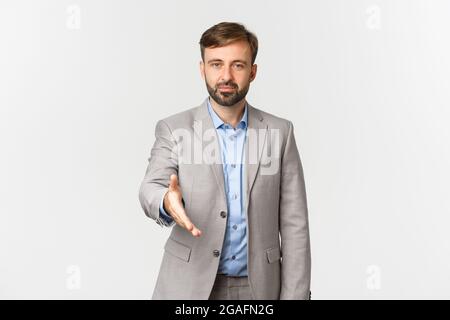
[225,33]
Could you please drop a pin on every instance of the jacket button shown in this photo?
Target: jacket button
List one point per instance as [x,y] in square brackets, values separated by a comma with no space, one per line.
[223,214]
[216,253]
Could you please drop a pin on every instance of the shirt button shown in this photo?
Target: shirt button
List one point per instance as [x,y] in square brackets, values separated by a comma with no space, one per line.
[223,214]
[234,196]
[233,166]
[216,253]
[233,257]
[235,227]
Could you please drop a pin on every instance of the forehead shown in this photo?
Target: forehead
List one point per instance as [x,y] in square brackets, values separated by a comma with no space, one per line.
[238,50]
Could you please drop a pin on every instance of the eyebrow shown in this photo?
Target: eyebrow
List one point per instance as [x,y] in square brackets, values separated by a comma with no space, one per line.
[219,60]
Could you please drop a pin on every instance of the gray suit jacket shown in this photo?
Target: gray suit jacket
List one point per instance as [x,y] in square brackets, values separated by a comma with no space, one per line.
[278,242]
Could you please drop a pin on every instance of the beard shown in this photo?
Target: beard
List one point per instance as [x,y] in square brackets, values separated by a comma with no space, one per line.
[227,99]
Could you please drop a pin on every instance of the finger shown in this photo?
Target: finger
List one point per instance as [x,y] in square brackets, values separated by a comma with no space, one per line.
[192,228]
[186,223]
[196,232]
[179,214]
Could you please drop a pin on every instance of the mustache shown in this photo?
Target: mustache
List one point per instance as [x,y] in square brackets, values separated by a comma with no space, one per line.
[227,84]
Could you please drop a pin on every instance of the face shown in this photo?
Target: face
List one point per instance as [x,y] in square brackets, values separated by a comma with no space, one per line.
[227,72]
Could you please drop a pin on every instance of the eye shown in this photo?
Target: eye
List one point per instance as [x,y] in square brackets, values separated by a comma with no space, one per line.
[239,66]
[215,65]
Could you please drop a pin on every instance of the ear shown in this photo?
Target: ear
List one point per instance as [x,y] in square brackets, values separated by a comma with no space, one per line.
[202,69]
[253,72]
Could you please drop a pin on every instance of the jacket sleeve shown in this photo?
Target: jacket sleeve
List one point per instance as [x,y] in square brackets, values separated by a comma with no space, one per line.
[294,226]
[163,162]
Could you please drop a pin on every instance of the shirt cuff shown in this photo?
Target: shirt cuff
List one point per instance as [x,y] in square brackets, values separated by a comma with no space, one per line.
[163,215]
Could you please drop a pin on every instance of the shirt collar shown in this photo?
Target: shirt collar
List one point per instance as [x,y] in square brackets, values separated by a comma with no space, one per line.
[218,122]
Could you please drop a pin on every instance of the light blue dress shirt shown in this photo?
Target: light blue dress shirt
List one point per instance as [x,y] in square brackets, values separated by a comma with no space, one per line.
[233,259]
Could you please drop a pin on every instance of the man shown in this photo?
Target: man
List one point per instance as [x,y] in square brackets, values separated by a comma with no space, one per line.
[228,178]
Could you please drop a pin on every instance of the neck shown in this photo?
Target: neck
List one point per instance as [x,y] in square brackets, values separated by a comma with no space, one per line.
[232,114]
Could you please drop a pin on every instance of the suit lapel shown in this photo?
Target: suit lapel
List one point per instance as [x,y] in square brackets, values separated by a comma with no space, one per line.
[203,123]
[254,145]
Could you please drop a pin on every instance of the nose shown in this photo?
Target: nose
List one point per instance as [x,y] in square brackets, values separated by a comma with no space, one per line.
[226,75]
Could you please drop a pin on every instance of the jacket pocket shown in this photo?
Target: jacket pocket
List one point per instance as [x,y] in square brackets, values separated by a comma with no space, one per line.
[177,249]
[273,254]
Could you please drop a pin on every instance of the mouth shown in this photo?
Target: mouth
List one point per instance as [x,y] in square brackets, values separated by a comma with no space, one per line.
[226,89]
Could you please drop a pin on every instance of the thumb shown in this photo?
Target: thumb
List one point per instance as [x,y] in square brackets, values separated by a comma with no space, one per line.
[173,185]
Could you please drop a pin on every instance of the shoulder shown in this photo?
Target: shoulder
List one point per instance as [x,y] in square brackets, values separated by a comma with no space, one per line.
[182,119]
[273,121]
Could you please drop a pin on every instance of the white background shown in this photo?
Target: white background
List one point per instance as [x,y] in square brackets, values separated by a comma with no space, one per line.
[83,83]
